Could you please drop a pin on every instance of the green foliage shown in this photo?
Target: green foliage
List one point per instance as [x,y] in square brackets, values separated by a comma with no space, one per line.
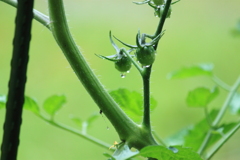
[162,153]
[31,105]
[201,97]
[196,70]
[197,133]
[131,102]
[53,104]
[85,124]
[221,132]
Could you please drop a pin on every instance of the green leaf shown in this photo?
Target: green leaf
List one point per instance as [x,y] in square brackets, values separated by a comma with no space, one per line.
[3,100]
[197,133]
[173,153]
[201,97]
[77,121]
[109,156]
[196,70]
[123,152]
[31,105]
[131,102]
[235,104]
[54,103]
[91,119]
[177,138]
[221,132]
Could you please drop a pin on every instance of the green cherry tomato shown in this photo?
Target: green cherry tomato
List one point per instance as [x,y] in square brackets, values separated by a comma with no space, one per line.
[146,55]
[124,64]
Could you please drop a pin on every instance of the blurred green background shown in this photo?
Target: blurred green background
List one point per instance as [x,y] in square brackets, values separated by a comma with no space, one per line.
[198,31]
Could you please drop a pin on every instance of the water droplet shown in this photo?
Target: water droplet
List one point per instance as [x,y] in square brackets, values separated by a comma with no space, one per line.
[107,128]
[173,149]
[123,75]
[128,71]
[147,66]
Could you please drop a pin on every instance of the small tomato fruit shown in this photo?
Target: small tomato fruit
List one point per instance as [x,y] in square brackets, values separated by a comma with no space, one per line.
[146,55]
[124,64]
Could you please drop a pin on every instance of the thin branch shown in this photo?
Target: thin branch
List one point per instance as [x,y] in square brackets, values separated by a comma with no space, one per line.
[221,142]
[226,103]
[162,20]
[40,17]
[147,72]
[76,132]
[220,115]
[140,69]
[220,83]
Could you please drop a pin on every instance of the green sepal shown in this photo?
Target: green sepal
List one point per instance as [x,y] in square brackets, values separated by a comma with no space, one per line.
[143,2]
[128,45]
[112,42]
[112,58]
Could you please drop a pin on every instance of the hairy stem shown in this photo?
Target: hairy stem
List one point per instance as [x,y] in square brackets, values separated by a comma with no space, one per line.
[146,96]
[18,78]
[101,97]
[147,72]
[127,130]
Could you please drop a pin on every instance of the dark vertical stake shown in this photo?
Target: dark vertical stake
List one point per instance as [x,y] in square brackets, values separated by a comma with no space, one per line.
[13,118]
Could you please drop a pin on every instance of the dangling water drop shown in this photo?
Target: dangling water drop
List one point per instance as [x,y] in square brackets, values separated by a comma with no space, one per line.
[123,75]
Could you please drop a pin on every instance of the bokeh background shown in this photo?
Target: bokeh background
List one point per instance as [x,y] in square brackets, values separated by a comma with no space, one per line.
[198,31]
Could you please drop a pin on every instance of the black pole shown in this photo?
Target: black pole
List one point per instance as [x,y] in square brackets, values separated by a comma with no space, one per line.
[15,101]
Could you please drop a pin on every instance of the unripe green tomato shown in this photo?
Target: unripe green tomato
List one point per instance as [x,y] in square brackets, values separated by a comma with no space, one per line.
[124,64]
[158,2]
[146,55]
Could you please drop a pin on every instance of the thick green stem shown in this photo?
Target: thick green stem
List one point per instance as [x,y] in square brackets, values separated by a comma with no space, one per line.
[146,95]
[101,97]
[18,78]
